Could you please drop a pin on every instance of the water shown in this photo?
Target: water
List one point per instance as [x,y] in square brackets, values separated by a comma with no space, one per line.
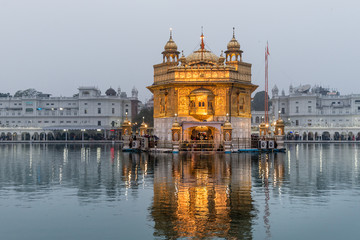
[97,192]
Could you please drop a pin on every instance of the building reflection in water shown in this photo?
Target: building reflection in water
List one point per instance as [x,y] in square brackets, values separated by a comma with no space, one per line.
[194,195]
[203,196]
[271,173]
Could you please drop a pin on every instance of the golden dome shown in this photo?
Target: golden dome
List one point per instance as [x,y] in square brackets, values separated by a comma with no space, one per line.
[170,45]
[175,124]
[280,122]
[233,44]
[227,124]
[202,56]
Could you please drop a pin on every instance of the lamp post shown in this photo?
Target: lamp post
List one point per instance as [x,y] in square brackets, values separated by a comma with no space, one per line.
[82,134]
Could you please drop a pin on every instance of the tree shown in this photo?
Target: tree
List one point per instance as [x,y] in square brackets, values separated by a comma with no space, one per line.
[258,103]
[30,92]
[4,95]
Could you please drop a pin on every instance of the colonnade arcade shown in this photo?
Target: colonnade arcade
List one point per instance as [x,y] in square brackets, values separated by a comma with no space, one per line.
[39,134]
[323,135]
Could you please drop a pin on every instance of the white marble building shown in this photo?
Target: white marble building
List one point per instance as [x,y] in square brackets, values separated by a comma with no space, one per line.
[87,108]
[318,113]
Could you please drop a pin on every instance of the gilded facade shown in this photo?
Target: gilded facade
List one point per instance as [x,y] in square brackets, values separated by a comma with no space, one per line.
[202,91]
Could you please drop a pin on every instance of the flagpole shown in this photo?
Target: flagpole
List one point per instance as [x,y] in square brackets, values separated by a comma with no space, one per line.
[266,85]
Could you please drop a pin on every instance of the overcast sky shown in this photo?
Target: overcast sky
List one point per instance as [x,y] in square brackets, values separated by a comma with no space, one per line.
[55,46]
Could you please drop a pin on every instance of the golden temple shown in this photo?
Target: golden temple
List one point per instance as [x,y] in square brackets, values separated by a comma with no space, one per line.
[207,97]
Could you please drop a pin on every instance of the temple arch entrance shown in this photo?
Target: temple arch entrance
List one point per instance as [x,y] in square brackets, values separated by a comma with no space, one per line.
[202,133]
[201,136]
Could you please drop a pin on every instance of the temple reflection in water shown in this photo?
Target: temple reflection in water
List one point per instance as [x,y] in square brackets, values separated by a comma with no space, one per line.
[203,196]
[193,195]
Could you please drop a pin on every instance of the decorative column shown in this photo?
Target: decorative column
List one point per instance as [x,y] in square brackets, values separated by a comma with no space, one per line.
[262,129]
[227,133]
[126,134]
[143,128]
[279,133]
[176,135]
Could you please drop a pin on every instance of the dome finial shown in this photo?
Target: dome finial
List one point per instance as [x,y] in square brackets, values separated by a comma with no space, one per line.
[170,33]
[202,45]
[233,32]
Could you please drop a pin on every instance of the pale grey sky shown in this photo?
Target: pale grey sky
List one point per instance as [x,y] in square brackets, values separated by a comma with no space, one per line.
[56,46]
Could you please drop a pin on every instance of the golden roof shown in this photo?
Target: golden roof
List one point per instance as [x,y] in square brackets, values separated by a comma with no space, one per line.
[202,56]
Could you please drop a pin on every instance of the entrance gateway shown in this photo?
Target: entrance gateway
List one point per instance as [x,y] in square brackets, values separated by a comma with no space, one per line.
[202,97]
[204,136]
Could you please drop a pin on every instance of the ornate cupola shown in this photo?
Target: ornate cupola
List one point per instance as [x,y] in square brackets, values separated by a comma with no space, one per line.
[233,52]
[202,56]
[183,59]
[170,53]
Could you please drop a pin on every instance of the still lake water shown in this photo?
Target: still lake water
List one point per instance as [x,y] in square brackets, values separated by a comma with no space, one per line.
[53,191]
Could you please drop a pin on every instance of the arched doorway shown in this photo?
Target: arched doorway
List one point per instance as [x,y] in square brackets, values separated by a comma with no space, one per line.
[310,136]
[325,136]
[36,136]
[9,136]
[304,136]
[25,136]
[351,136]
[42,136]
[50,136]
[202,133]
[344,136]
[201,137]
[290,136]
